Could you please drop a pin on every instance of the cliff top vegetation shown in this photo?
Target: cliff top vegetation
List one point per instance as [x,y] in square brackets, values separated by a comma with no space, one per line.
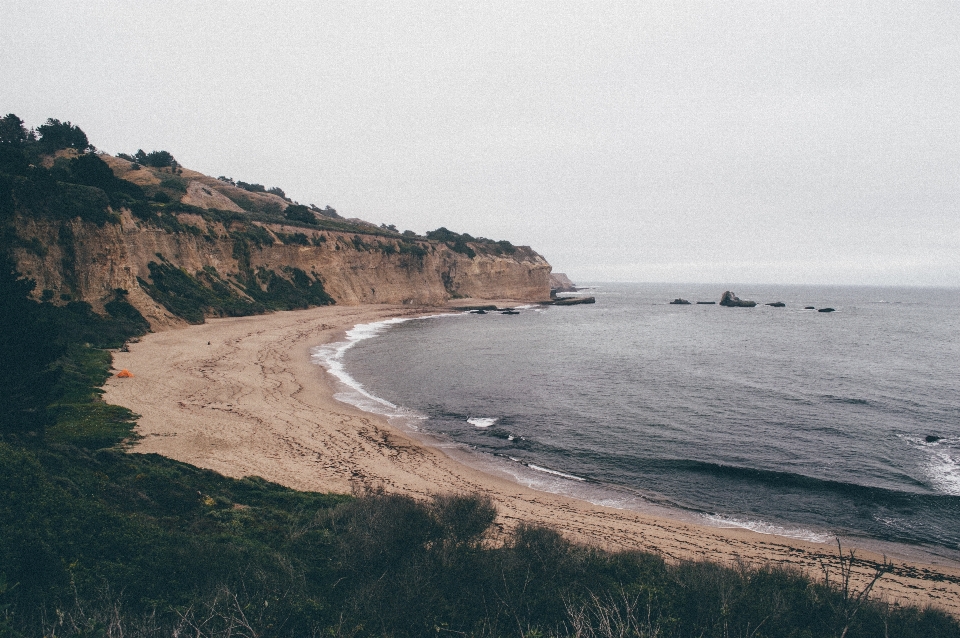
[43,167]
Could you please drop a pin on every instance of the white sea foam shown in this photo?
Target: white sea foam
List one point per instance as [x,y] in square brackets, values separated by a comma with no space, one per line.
[554,472]
[944,470]
[942,466]
[482,422]
[768,528]
[330,356]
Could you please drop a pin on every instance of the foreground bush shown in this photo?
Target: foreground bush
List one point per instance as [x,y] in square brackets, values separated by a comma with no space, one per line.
[108,543]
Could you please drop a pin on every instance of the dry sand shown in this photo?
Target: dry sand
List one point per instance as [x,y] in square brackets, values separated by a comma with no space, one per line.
[241,396]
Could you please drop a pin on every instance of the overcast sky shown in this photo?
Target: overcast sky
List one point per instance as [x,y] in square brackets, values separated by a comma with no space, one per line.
[726,142]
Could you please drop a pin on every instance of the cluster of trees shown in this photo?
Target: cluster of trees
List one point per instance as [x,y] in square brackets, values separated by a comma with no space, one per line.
[458,242]
[254,188]
[154,159]
[50,136]
[82,186]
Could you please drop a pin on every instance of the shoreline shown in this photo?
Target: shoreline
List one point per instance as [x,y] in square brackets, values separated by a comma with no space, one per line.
[253,402]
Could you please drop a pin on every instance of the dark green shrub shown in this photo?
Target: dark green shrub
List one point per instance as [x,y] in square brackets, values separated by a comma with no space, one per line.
[253,188]
[300,213]
[177,184]
[412,248]
[156,159]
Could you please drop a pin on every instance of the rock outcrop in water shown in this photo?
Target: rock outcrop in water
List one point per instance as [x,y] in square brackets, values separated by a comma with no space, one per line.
[679,302]
[559,282]
[730,300]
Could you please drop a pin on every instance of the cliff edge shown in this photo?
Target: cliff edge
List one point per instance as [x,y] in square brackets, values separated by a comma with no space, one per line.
[180,246]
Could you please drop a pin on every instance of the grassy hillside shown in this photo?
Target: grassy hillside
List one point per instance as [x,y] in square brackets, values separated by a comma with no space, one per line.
[98,542]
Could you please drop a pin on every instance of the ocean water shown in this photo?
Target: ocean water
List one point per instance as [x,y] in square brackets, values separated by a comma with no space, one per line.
[781,420]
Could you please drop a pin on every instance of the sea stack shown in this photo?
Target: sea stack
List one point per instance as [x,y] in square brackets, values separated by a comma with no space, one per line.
[730,300]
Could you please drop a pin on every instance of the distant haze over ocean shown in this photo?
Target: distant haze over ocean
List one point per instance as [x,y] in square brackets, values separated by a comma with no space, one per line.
[775,419]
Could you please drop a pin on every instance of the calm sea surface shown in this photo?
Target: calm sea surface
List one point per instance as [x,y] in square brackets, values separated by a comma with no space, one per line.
[775,419]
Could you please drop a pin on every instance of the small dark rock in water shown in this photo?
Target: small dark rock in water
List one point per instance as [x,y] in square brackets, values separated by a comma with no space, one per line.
[826,310]
[509,312]
[809,308]
[679,302]
[706,303]
[571,301]
[777,304]
[730,300]
[932,438]
[478,312]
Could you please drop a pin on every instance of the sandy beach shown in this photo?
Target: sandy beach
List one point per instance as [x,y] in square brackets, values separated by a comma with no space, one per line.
[241,396]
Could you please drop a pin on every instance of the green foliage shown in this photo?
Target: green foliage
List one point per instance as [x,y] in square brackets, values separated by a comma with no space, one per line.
[186,296]
[55,135]
[42,196]
[442,234]
[128,319]
[456,242]
[295,238]
[254,234]
[13,132]
[206,293]
[295,291]
[91,424]
[156,159]
[52,364]
[300,213]
[253,188]
[412,248]
[469,245]
[176,184]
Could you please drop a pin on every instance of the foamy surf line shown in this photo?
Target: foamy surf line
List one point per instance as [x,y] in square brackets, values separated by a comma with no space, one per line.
[330,356]
[761,527]
[547,470]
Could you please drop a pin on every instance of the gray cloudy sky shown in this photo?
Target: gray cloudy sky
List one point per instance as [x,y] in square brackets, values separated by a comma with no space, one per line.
[768,142]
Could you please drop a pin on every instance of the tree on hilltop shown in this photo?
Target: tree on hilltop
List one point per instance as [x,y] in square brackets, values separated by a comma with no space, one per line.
[55,135]
[156,159]
[13,132]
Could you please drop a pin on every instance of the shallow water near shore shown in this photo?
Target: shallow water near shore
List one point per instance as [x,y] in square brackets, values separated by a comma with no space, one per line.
[780,420]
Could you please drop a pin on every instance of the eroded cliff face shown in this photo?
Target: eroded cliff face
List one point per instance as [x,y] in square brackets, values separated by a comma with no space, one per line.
[72,259]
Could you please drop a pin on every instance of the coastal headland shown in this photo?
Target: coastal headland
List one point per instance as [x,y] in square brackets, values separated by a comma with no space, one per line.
[241,396]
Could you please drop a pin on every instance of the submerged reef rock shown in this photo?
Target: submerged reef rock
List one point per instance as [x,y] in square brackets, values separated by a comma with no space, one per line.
[679,302]
[730,300]
[827,310]
[777,304]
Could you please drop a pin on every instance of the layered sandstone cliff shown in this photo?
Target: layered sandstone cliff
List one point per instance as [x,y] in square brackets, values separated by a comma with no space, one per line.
[82,261]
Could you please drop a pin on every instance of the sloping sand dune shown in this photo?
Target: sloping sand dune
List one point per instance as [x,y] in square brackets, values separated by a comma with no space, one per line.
[241,396]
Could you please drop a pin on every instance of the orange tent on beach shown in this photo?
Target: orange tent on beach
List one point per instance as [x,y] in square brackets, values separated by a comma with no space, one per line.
[124,374]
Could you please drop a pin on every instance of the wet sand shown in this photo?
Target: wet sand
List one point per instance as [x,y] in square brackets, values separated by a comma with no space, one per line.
[241,396]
